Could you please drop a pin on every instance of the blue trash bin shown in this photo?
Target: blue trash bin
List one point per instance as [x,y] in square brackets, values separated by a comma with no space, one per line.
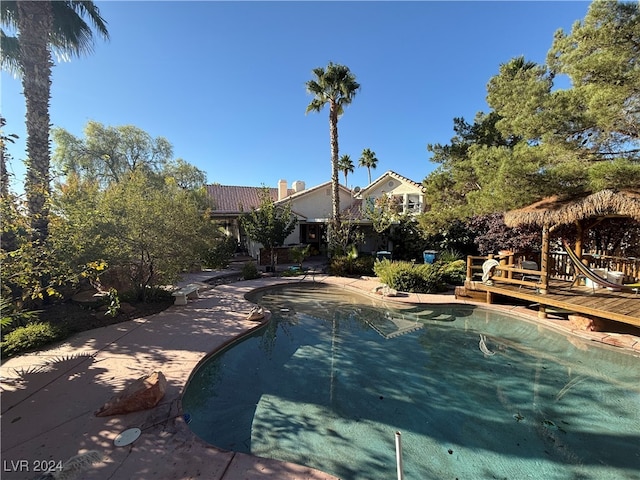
[429,256]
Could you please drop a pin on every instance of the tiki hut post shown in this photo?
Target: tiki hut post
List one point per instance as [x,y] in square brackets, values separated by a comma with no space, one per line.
[579,236]
[544,260]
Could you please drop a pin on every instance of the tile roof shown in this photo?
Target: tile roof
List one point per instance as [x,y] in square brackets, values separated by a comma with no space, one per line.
[354,212]
[233,200]
[228,199]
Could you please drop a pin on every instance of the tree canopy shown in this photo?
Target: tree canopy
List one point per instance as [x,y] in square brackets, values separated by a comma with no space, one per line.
[149,231]
[109,154]
[345,165]
[146,217]
[368,160]
[569,126]
[586,134]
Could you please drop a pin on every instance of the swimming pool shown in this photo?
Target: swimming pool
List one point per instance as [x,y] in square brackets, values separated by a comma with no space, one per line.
[476,394]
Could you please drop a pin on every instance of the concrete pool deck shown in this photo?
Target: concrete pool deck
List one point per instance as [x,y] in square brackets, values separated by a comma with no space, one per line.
[49,397]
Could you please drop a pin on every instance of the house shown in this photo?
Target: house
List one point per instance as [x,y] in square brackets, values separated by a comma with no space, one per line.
[313,208]
[230,202]
[403,195]
[406,195]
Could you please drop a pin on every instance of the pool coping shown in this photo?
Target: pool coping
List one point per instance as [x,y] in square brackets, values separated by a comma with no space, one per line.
[51,395]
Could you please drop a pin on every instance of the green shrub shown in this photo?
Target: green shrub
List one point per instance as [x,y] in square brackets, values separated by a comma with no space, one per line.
[449,256]
[12,317]
[221,254]
[339,266]
[151,295]
[30,337]
[453,273]
[298,254]
[386,270]
[344,266]
[410,277]
[250,271]
[364,265]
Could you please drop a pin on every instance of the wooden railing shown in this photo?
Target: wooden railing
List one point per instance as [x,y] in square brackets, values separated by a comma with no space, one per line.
[508,271]
[560,267]
[629,266]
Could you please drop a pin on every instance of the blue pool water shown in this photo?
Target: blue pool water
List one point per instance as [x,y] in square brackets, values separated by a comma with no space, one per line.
[475,394]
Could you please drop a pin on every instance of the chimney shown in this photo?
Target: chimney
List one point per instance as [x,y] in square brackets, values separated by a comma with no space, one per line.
[298,186]
[282,189]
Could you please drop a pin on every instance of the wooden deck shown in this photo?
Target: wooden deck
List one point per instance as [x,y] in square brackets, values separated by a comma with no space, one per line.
[602,303]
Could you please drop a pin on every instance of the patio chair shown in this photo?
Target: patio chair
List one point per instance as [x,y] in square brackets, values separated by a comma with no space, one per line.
[529,265]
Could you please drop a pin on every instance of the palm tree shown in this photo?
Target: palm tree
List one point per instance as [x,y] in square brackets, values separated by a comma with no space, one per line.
[43,26]
[345,165]
[368,159]
[337,87]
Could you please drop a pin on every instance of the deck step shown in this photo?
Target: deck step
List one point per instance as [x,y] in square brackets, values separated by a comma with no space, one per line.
[475,295]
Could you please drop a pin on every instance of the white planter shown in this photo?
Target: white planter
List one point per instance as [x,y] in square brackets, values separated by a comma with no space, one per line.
[615,277]
[601,272]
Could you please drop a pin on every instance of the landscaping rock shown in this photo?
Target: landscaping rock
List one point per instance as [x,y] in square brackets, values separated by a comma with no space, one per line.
[89,298]
[389,292]
[589,324]
[256,314]
[385,291]
[146,392]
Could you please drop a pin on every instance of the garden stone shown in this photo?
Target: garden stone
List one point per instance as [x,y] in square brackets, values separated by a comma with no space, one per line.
[144,393]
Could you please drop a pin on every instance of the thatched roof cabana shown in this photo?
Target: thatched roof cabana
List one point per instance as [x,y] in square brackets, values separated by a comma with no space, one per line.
[558,210]
[554,211]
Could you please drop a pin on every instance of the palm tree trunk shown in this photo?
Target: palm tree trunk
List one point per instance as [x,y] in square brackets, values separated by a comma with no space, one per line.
[335,181]
[35,21]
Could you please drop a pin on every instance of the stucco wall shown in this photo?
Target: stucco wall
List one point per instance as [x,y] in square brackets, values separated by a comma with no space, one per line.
[317,204]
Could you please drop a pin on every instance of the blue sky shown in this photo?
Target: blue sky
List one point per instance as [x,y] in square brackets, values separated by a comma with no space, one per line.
[224,82]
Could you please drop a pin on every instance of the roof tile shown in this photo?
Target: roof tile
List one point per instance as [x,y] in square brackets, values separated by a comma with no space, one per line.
[229,199]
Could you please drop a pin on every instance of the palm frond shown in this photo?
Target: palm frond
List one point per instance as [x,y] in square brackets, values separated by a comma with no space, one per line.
[316,105]
[9,13]
[90,10]
[318,72]
[9,58]
[71,34]
[336,83]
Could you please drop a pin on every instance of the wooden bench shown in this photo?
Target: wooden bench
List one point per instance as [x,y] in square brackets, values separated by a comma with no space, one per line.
[188,291]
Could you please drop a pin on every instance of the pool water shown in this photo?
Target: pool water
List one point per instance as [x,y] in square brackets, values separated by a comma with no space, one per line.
[476,394]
